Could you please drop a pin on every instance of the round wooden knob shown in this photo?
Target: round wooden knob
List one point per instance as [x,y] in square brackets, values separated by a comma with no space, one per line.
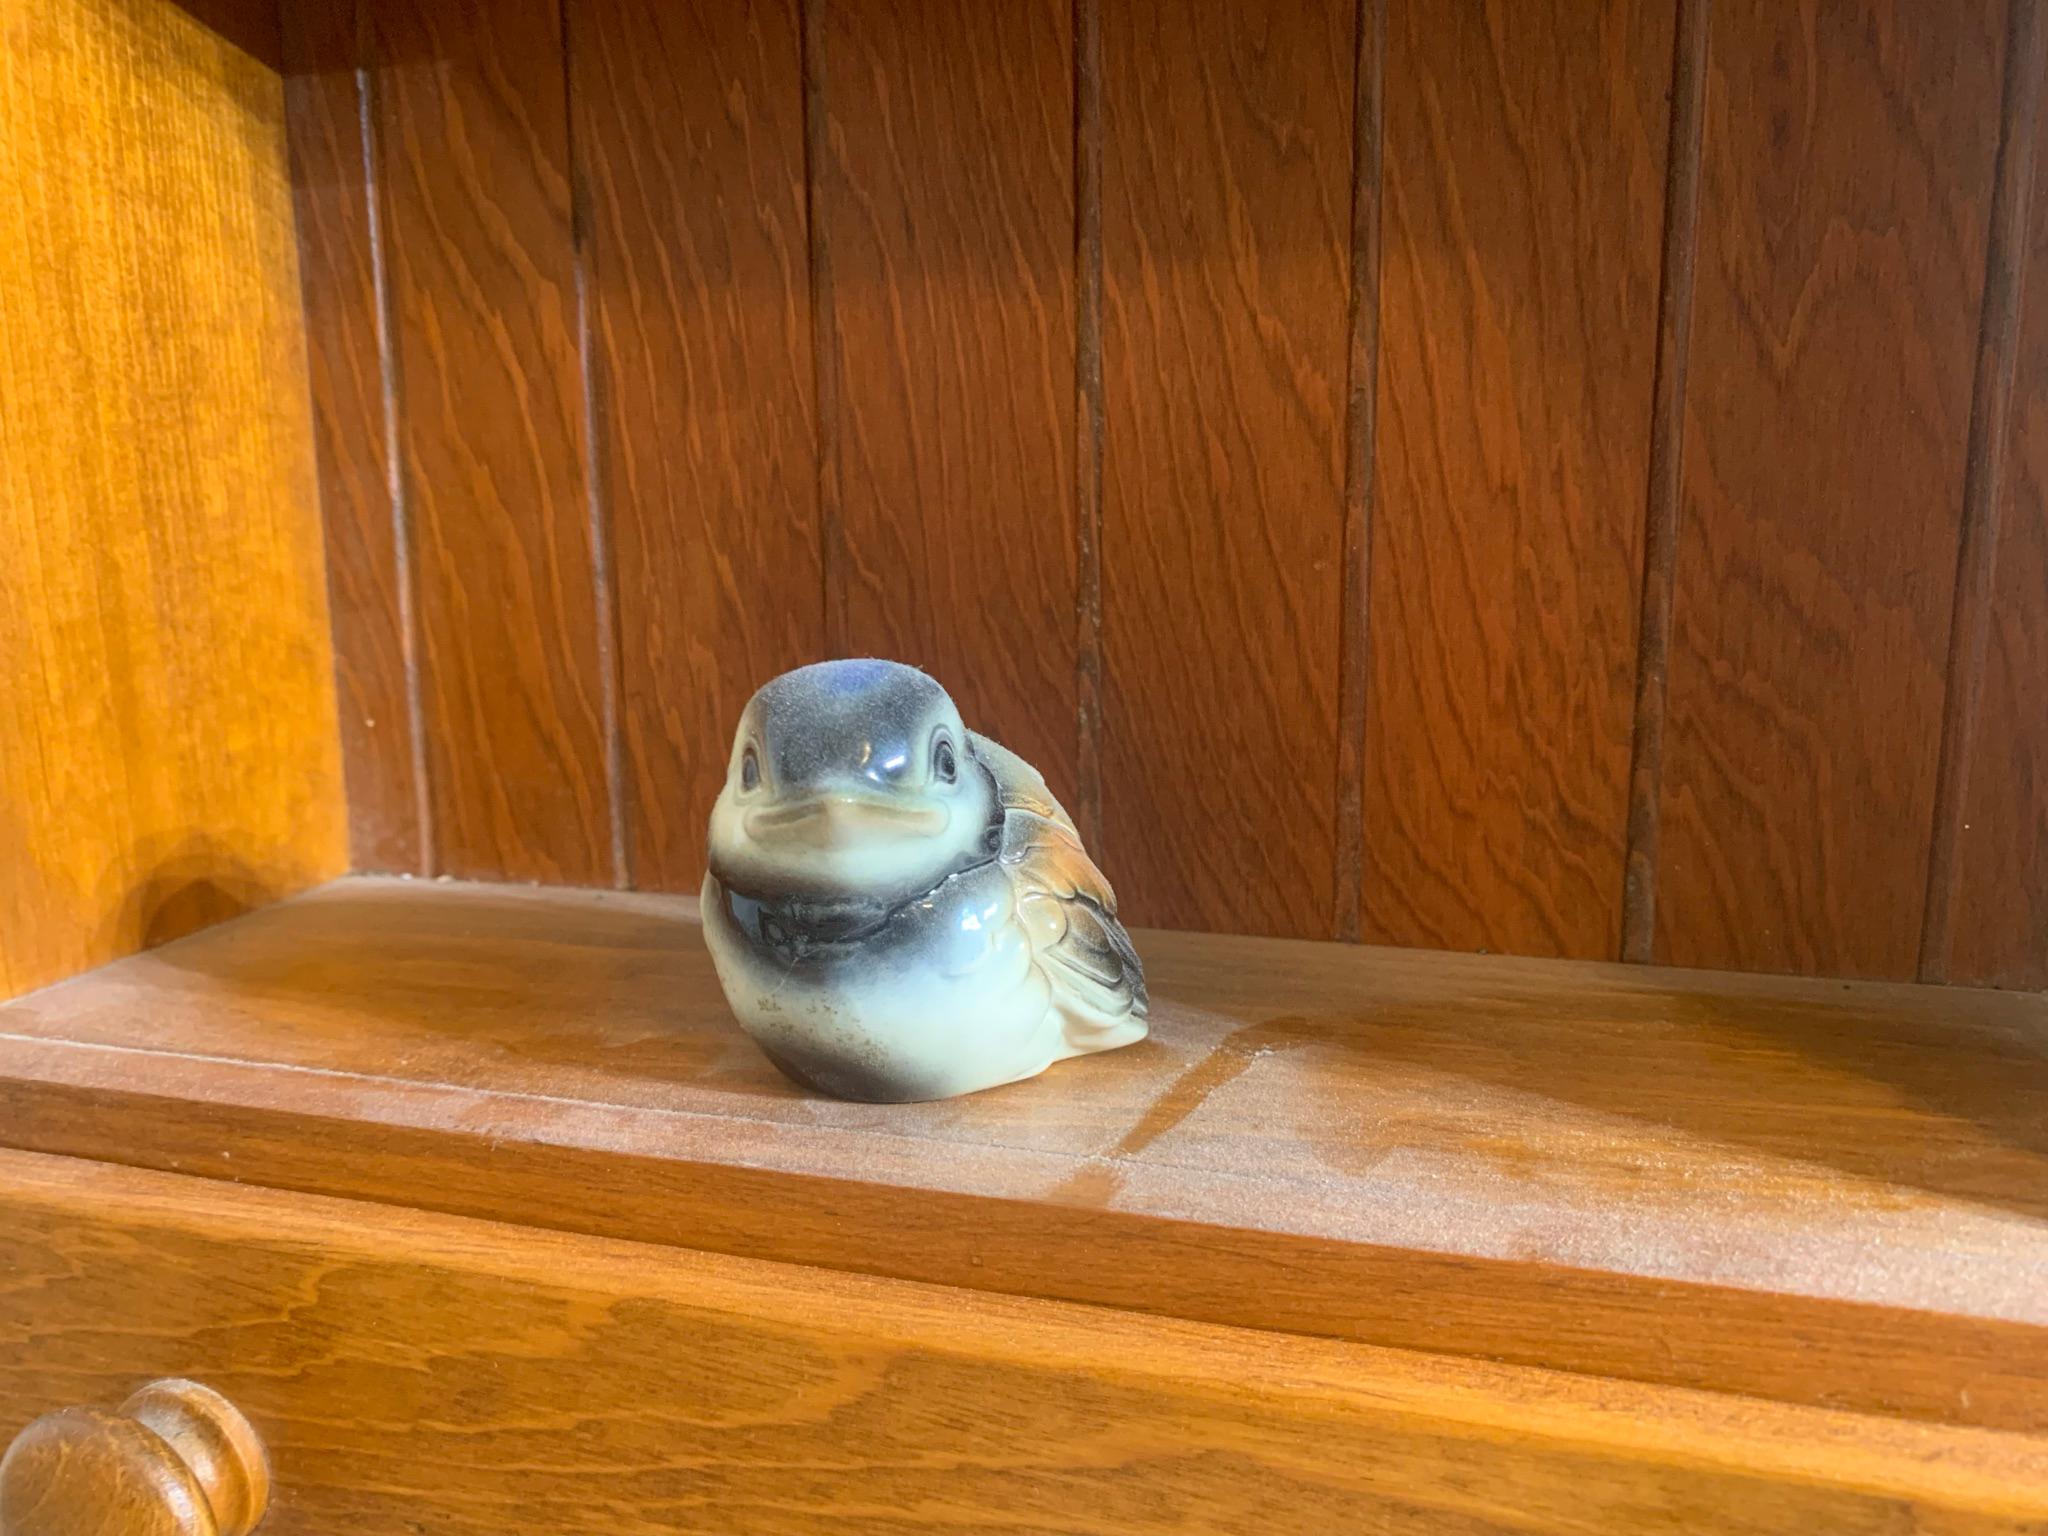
[176,1460]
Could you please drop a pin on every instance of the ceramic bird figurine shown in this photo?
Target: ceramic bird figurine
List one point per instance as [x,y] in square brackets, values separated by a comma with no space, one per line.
[898,908]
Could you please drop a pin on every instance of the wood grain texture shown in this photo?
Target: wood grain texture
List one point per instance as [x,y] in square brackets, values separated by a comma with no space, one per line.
[1998,931]
[1227,149]
[1983,474]
[1049,349]
[1845,189]
[1525,162]
[946,203]
[447,1377]
[177,1459]
[474,137]
[167,732]
[690,122]
[1615,1170]
[325,117]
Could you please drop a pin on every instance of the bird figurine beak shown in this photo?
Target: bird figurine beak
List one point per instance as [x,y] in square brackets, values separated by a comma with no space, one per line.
[841,820]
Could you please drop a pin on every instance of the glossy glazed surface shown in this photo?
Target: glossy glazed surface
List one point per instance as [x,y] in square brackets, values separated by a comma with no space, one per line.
[898,908]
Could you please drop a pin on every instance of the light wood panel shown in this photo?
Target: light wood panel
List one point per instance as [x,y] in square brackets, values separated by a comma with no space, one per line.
[1523,205]
[1998,930]
[1845,192]
[690,124]
[946,209]
[442,1376]
[476,199]
[349,380]
[167,732]
[1226,228]
[1617,1170]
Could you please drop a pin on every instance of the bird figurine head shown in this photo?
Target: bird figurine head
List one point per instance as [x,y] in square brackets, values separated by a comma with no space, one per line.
[851,780]
[898,908]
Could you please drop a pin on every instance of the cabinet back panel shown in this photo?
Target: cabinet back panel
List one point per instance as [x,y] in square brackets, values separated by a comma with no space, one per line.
[1494,477]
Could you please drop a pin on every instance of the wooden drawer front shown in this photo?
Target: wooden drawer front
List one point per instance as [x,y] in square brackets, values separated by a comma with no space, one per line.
[428,1374]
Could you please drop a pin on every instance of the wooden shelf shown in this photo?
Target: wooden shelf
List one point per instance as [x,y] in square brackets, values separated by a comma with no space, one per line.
[1813,1191]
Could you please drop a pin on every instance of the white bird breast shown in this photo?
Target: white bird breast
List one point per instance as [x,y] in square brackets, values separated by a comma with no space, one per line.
[943,998]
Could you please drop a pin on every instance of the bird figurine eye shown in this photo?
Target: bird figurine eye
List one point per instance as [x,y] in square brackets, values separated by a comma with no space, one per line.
[750,769]
[944,768]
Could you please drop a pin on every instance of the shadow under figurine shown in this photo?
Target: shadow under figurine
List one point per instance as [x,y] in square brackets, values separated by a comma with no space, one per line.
[898,908]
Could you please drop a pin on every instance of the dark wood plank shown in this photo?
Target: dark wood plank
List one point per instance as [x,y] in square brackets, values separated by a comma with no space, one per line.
[1991,394]
[2000,934]
[492,437]
[456,1378]
[946,204]
[1998,929]
[1227,153]
[257,27]
[1668,1177]
[1845,192]
[331,188]
[1515,383]
[690,123]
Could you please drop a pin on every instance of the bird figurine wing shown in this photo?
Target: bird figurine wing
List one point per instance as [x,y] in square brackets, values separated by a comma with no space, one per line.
[1067,908]
[1019,785]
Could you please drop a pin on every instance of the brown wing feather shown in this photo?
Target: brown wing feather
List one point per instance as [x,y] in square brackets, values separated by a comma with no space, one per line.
[1069,911]
[1019,785]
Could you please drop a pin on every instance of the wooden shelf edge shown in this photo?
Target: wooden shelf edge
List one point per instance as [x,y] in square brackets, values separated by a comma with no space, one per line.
[1980,1372]
[231,1083]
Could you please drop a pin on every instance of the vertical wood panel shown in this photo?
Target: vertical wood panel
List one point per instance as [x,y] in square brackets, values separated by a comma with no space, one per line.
[690,122]
[874,395]
[1525,158]
[946,201]
[475,143]
[1845,189]
[167,730]
[2000,933]
[331,187]
[1227,160]
[1998,923]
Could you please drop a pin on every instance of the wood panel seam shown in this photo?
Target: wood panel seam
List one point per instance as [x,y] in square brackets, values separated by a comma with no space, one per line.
[1665,487]
[1354,661]
[604,577]
[1088,429]
[824,332]
[2005,262]
[392,387]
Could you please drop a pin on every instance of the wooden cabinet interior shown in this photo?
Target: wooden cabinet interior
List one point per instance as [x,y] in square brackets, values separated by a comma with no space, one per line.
[1533,478]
